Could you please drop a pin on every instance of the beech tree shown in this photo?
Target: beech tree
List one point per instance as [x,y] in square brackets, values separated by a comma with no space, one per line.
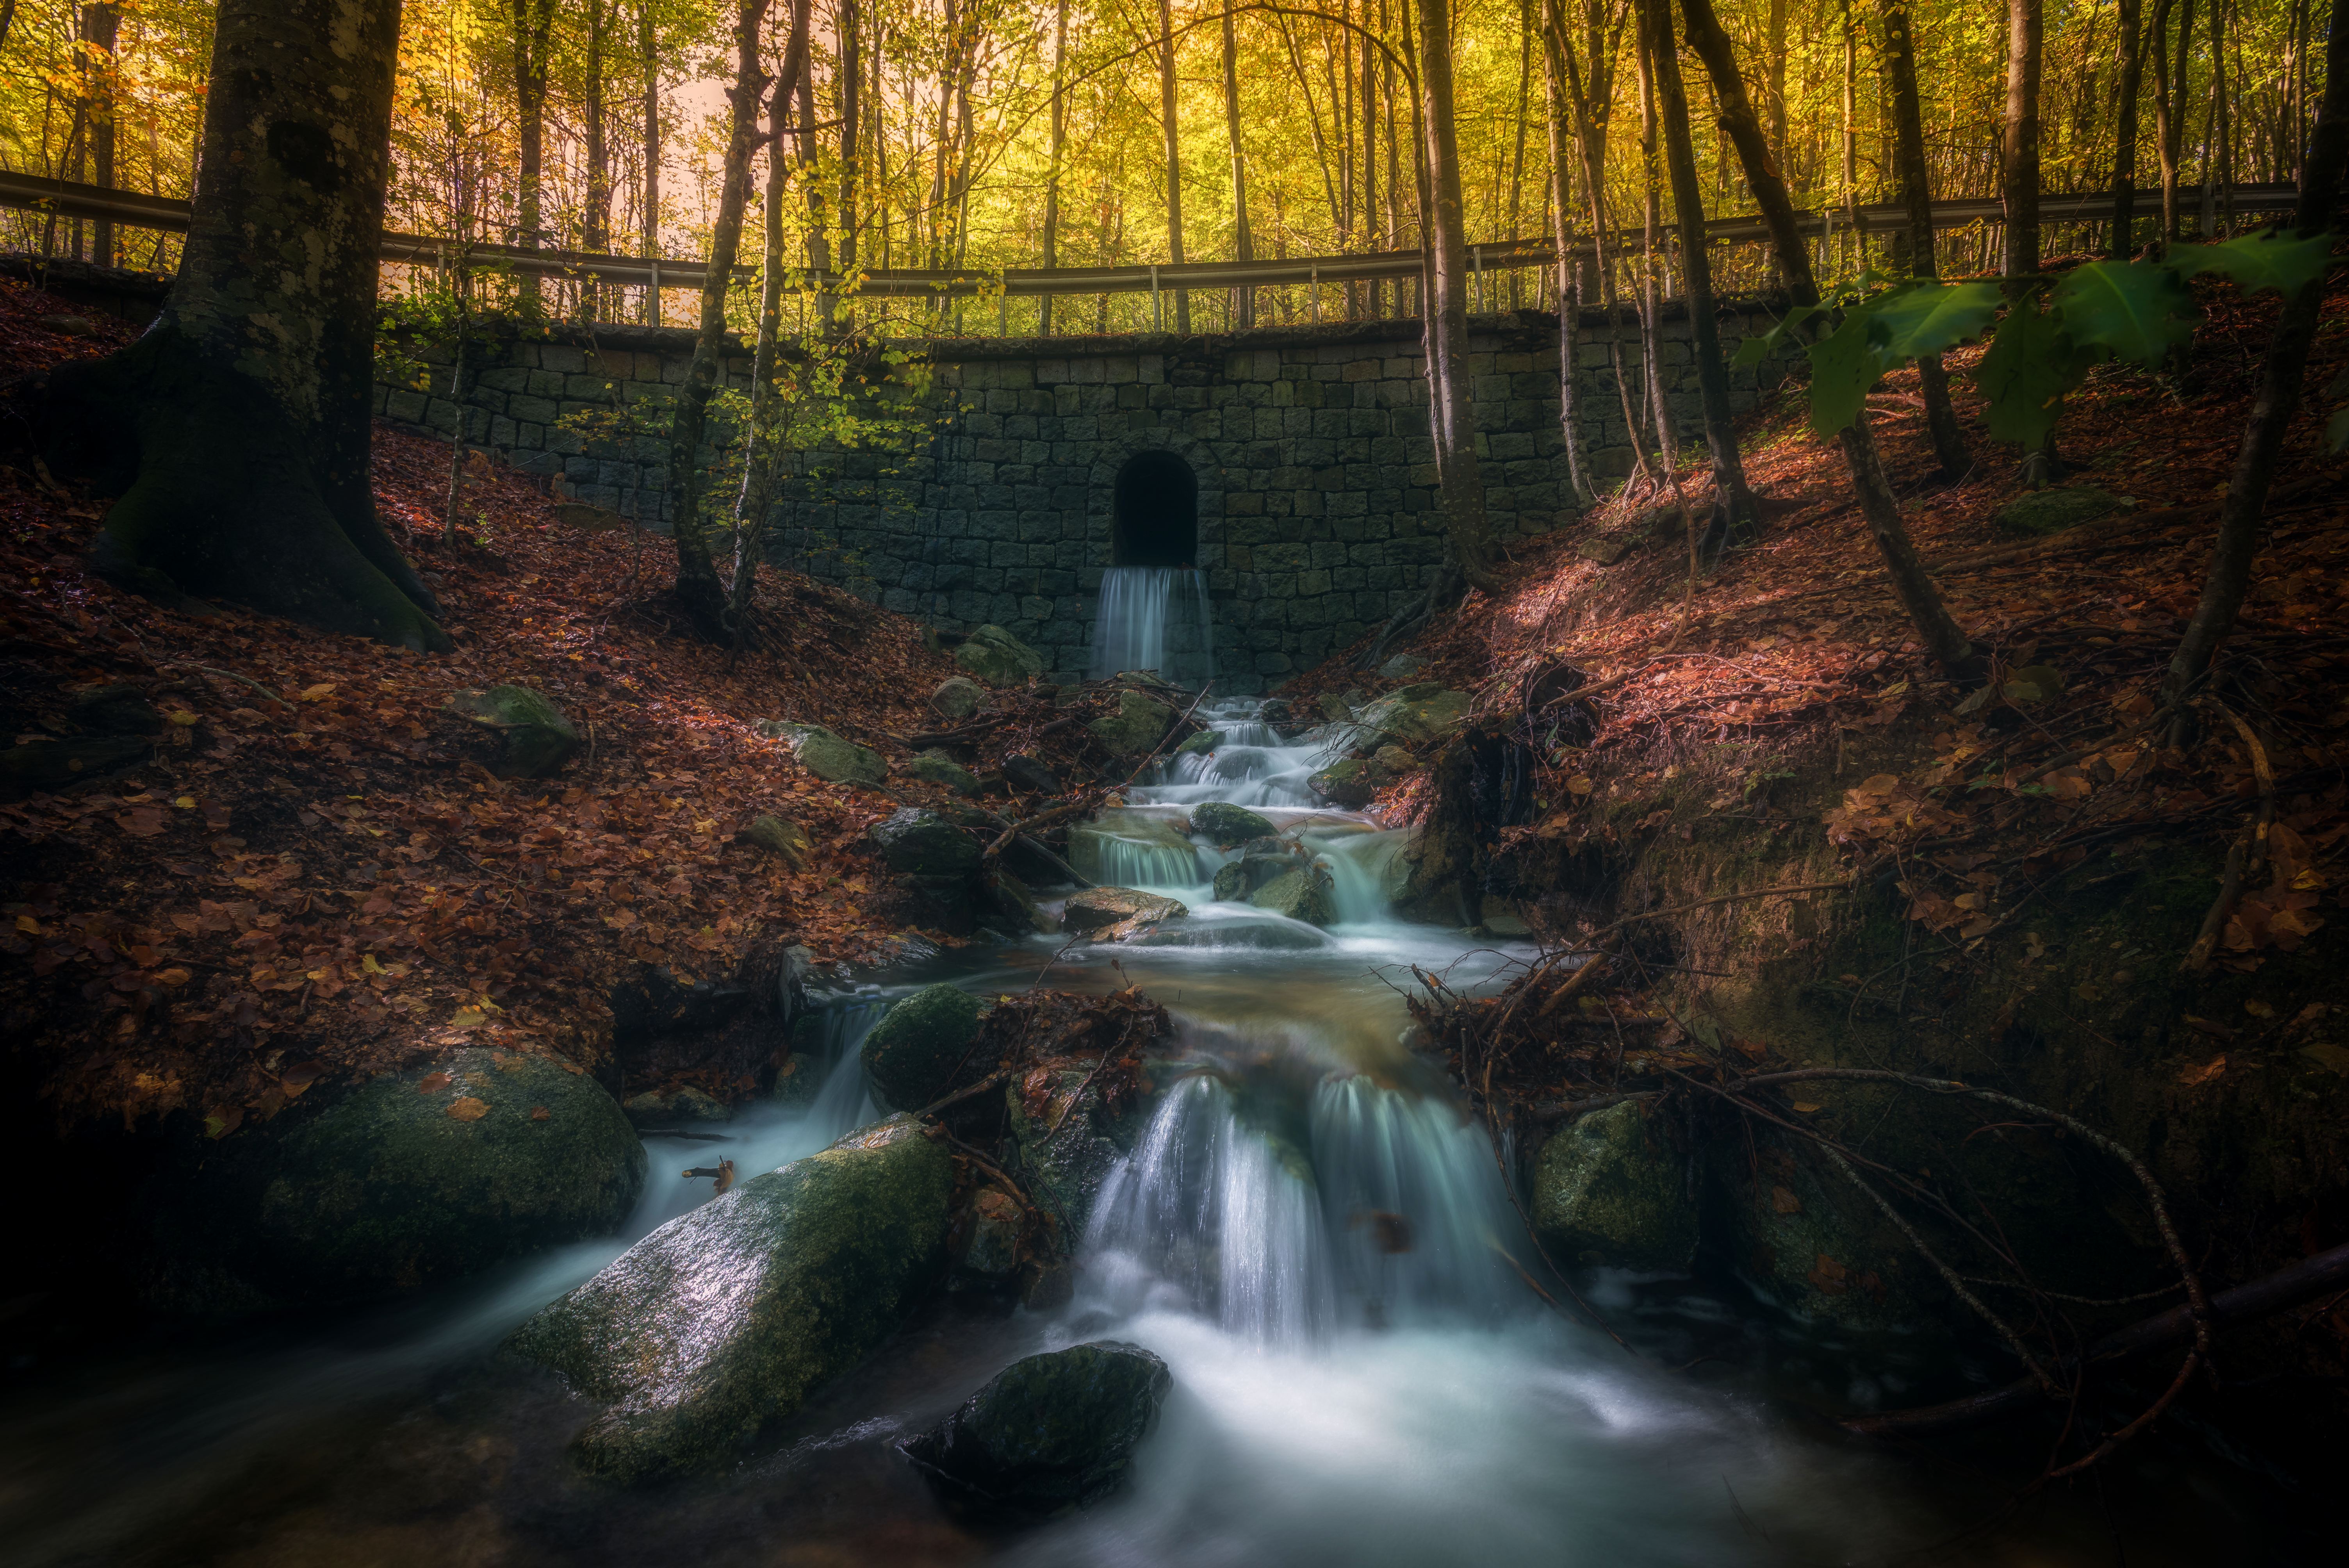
[237,429]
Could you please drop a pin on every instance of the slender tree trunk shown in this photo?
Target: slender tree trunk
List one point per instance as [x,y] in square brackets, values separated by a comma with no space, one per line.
[1060,151]
[1936,630]
[2278,393]
[2170,103]
[1777,67]
[100,25]
[596,217]
[2132,47]
[652,227]
[1451,417]
[243,416]
[1569,276]
[1242,247]
[1850,180]
[1651,354]
[1916,192]
[532,21]
[851,113]
[1517,156]
[700,598]
[1167,127]
[1730,498]
[1370,154]
[819,217]
[2019,187]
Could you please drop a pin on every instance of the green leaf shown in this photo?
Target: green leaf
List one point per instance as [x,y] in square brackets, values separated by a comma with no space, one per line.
[1754,350]
[2030,365]
[2257,262]
[1844,365]
[2336,431]
[2138,310]
[1931,317]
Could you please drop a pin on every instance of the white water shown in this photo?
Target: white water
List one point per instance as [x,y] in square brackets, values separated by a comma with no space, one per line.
[1154,618]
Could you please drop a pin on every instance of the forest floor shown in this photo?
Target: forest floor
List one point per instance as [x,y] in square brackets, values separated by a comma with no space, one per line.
[310,878]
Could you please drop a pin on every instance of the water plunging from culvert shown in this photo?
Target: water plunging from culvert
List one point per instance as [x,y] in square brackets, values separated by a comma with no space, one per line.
[1154,618]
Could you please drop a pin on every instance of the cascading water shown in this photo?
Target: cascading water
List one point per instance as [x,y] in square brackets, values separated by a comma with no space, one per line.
[1155,618]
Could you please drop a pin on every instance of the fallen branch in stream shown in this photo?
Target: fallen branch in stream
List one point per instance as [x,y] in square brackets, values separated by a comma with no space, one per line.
[1091,799]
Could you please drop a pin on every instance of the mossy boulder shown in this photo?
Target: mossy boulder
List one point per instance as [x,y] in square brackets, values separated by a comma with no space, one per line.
[944,771]
[1136,728]
[1610,1190]
[1349,784]
[2037,514]
[1239,879]
[402,1180]
[1047,1435]
[1417,714]
[956,696]
[1300,894]
[1815,1245]
[913,1052]
[1224,825]
[531,738]
[828,756]
[915,841]
[1201,744]
[1067,1142]
[780,836]
[729,1317]
[1401,667]
[997,657]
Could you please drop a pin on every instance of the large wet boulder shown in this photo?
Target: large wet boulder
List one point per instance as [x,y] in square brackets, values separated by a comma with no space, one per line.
[1115,913]
[944,771]
[1136,728]
[1049,1434]
[956,696]
[1128,846]
[997,657]
[916,842]
[1610,1190]
[1349,784]
[828,756]
[1200,744]
[2037,514]
[729,1317]
[1417,714]
[913,1052]
[444,1170]
[1238,879]
[529,737]
[1302,894]
[1224,825]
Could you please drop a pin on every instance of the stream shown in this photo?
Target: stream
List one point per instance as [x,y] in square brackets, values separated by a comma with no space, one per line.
[1312,1234]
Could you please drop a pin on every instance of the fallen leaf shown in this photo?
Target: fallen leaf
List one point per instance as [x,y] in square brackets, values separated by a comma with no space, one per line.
[222,1122]
[1579,784]
[469,1109]
[2258,1009]
[318,693]
[2325,1054]
[142,822]
[1805,1107]
[540,1113]
[2195,1075]
[1829,1277]
[1783,1200]
[433,1083]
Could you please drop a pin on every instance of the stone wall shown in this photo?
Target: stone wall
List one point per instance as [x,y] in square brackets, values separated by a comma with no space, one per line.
[1316,486]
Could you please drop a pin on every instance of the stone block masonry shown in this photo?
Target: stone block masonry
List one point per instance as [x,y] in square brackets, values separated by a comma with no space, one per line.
[1314,514]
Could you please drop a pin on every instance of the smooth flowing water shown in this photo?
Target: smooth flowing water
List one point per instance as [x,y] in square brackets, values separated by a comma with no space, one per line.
[1154,618]
[1311,1233]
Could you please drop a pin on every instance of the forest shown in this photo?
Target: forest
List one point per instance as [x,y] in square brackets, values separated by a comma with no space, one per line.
[1358,781]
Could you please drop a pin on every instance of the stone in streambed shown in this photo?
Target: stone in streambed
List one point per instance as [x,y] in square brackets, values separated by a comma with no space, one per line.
[1610,1190]
[533,738]
[1199,745]
[1113,914]
[1349,784]
[1047,1435]
[1137,727]
[956,696]
[913,1052]
[1030,777]
[1300,894]
[1240,879]
[826,754]
[916,842]
[729,1317]
[1417,714]
[1224,825]
[997,657]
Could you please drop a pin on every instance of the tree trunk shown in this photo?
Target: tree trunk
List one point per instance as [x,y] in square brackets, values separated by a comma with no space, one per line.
[1651,354]
[100,25]
[2278,397]
[1242,247]
[699,596]
[1569,304]
[1059,153]
[1916,192]
[596,217]
[851,82]
[532,21]
[1174,158]
[645,43]
[2019,187]
[1451,418]
[819,236]
[1777,67]
[1936,630]
[2132,44]
[238,425]
[2170,103]
[1730,498]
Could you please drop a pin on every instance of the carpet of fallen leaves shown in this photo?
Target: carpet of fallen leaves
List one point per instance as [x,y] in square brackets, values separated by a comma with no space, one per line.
[1795,649]
[311,877]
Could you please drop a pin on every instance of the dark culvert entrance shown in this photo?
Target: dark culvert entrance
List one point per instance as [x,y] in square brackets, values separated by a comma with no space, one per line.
[1155,513]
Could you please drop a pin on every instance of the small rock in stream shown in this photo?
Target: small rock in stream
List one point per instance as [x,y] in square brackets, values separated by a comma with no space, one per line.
[1047,1435]
[913,1052]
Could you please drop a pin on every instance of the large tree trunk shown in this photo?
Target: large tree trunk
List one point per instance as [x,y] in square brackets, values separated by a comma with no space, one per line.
[2019,187]
[237,429]
[2279,393]
[1731,497]
[2169,102]
[2132,47]
[596,218]
[1936,629]
[1916,192]
[1242,247]
[1174,149]
[100,25]
[700,598]
[1059,147]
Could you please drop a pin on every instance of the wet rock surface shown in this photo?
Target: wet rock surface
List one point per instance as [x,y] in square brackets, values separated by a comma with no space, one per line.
[1113,914]
[921,842]
[1610,1190]
[729,1317]
[1224,825]
[913,1053]
[1048,1434]
[1300,893]
[1138,724]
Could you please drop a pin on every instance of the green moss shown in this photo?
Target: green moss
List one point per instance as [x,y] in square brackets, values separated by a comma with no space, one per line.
[1610,1190]
[913,1051]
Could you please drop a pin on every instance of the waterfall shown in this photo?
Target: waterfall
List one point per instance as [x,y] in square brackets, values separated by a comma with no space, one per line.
[1154,618]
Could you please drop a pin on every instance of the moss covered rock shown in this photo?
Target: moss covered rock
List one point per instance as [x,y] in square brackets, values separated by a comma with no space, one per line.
[919,843]
[1067,1142]
[1417,714]
[533,738]
[1610,1189]
[956,696]
[997,657]
[944,771]
[1300,894]
[1348,784]
[2037,514]
[1237,879]
[826,754]
[1224,825]
[1120,846]
[912,1053]
[727,1317]
[1137,725]
[1049,1434]
[778,835]
[39,767]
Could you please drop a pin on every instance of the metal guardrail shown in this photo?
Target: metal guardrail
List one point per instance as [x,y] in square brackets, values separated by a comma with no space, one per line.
[68,199]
